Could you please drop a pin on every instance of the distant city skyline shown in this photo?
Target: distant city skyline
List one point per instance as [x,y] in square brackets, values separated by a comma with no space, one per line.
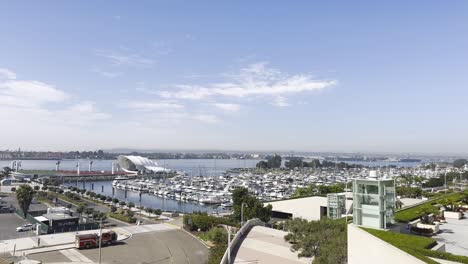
[241,76]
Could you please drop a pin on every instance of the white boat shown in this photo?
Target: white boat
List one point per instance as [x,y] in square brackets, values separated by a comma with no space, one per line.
[210,200]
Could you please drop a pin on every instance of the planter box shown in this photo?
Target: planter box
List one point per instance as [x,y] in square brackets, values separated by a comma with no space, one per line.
[453,215]
[435,228]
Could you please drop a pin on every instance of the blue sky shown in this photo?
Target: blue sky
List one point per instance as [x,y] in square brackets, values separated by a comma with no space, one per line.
[238,75]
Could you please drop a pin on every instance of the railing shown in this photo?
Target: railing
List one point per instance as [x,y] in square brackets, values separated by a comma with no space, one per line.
[242,231]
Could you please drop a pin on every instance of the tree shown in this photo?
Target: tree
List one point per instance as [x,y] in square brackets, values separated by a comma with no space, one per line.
[80,209]
[37,188]
[324,239]
[157,212]
[253,208]
[113,209]
[459,163]
[24,195]
[88,211]
[149,211]
[294,163]
[464,197]
[274,162]
[6,171]
[262,165]
[131,205]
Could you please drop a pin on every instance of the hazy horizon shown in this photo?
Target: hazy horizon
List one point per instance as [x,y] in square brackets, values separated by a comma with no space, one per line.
[346,77]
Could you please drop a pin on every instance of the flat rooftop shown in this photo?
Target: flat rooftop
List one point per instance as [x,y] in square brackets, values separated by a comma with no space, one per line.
[59,216]
[266,245]
[307,208]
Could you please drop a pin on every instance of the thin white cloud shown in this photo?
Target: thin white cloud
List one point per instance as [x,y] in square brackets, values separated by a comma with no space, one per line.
[255,80]
[206,118]
[120,58]
[280,101]
[107,74]
[153,105]
[7,74]
[228,107]
[33,101]
[29,93]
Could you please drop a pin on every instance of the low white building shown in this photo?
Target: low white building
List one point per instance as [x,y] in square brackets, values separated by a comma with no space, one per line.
[309,208]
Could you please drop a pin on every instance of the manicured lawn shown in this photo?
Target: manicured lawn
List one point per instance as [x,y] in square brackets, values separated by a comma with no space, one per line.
[417,246]
[410,214]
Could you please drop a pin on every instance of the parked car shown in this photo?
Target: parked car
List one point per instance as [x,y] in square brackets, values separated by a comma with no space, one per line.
[5,209]
[26,227]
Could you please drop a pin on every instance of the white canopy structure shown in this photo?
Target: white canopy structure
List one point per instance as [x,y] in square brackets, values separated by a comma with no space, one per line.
[136,164]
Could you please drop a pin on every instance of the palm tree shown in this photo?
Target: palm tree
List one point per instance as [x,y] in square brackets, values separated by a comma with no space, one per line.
[24,195]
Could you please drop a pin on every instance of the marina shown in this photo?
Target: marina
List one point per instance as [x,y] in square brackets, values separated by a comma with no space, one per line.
[200,185]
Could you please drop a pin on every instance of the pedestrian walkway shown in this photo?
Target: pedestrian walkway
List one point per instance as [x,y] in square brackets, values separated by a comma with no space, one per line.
[143,228]
[75,256]
[266,245]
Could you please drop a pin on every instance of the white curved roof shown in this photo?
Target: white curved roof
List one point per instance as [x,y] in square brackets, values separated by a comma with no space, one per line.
[141,161]
[133,164]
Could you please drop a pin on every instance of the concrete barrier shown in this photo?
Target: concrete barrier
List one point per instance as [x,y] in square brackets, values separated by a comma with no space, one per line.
[242,231]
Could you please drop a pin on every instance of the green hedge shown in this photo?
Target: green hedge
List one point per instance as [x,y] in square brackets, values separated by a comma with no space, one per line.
[121,217]
[419,247]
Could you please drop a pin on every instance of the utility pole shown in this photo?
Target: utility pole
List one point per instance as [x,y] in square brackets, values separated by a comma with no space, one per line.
[100,239]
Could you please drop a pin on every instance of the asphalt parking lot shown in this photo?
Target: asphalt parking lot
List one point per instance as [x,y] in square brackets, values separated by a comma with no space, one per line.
[8,224]
[173,246]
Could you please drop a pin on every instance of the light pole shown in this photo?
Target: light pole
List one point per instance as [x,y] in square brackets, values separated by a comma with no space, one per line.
[445,182]
[100,240]
[242,213]
[229,244]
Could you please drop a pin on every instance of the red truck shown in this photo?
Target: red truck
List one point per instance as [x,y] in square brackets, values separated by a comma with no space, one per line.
[92,240]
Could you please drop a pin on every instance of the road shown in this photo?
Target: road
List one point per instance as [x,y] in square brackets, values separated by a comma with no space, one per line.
[168,246]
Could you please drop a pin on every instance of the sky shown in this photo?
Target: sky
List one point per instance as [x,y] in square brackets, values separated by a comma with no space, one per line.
[368,76]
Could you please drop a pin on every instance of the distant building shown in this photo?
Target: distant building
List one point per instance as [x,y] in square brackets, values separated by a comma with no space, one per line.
[373,202]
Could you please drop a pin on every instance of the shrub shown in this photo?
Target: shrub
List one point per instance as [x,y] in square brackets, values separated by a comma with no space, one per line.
[204,222]
[124,218]
[113,209]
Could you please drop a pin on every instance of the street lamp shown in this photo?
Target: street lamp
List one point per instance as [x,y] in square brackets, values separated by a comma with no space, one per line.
[100,240]
[446,182]
[229,244]
[242,213]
